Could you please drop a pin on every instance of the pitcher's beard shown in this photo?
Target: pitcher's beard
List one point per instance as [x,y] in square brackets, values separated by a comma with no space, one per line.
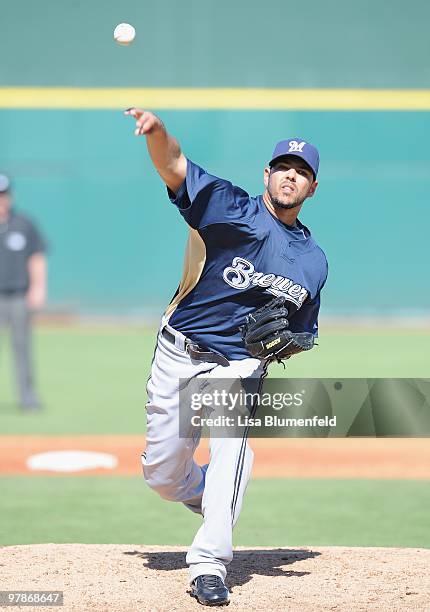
[278,204]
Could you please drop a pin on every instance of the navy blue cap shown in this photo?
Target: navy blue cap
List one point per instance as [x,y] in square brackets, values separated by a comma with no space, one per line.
[4,183]
[299,148]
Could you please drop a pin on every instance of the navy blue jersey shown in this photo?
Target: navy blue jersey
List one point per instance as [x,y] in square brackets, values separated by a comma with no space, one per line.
[239,256]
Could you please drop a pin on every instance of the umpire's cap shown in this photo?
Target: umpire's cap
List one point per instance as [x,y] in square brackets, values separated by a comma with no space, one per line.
[299,148]
[4,183]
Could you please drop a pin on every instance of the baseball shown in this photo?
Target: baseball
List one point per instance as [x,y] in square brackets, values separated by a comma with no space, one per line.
[124,33]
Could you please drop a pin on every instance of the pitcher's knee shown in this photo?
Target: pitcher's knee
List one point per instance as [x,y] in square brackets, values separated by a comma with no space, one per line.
[162,484]
[162,488]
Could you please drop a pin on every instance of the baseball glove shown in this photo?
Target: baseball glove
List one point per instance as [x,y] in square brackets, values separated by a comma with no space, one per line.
[266,334]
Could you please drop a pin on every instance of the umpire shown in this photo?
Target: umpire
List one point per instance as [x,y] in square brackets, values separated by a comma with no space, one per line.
[22,287]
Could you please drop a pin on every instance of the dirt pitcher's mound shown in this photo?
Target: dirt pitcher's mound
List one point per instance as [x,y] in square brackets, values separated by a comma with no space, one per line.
[130,578]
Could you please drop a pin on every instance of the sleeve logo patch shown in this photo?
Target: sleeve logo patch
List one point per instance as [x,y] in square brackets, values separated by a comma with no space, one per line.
[15,241]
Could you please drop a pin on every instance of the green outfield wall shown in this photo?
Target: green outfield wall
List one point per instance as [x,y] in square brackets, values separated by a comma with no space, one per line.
[115,241]
[223,43]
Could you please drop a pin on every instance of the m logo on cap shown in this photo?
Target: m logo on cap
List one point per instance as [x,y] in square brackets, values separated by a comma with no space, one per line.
[296,146]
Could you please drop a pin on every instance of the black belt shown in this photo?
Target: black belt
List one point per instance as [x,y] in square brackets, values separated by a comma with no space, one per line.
[195,352]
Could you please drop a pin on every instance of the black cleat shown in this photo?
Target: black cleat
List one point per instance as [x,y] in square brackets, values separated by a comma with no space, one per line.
[210,590]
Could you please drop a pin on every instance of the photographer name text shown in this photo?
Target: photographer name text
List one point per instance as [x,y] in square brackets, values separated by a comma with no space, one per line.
[267,421]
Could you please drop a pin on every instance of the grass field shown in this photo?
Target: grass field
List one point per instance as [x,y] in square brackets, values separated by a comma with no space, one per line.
[93,380]
[278,512]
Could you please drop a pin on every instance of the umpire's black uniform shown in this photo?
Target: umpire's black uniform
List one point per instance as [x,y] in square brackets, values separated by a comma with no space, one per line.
[19,240]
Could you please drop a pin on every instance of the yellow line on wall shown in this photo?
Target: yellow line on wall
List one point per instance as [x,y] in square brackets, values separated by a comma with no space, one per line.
[214,98]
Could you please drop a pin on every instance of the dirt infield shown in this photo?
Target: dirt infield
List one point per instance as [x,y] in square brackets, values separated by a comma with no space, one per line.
[130,578]
[276,458]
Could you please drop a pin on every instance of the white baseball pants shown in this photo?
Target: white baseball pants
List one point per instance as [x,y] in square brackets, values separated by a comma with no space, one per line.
[215,490]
